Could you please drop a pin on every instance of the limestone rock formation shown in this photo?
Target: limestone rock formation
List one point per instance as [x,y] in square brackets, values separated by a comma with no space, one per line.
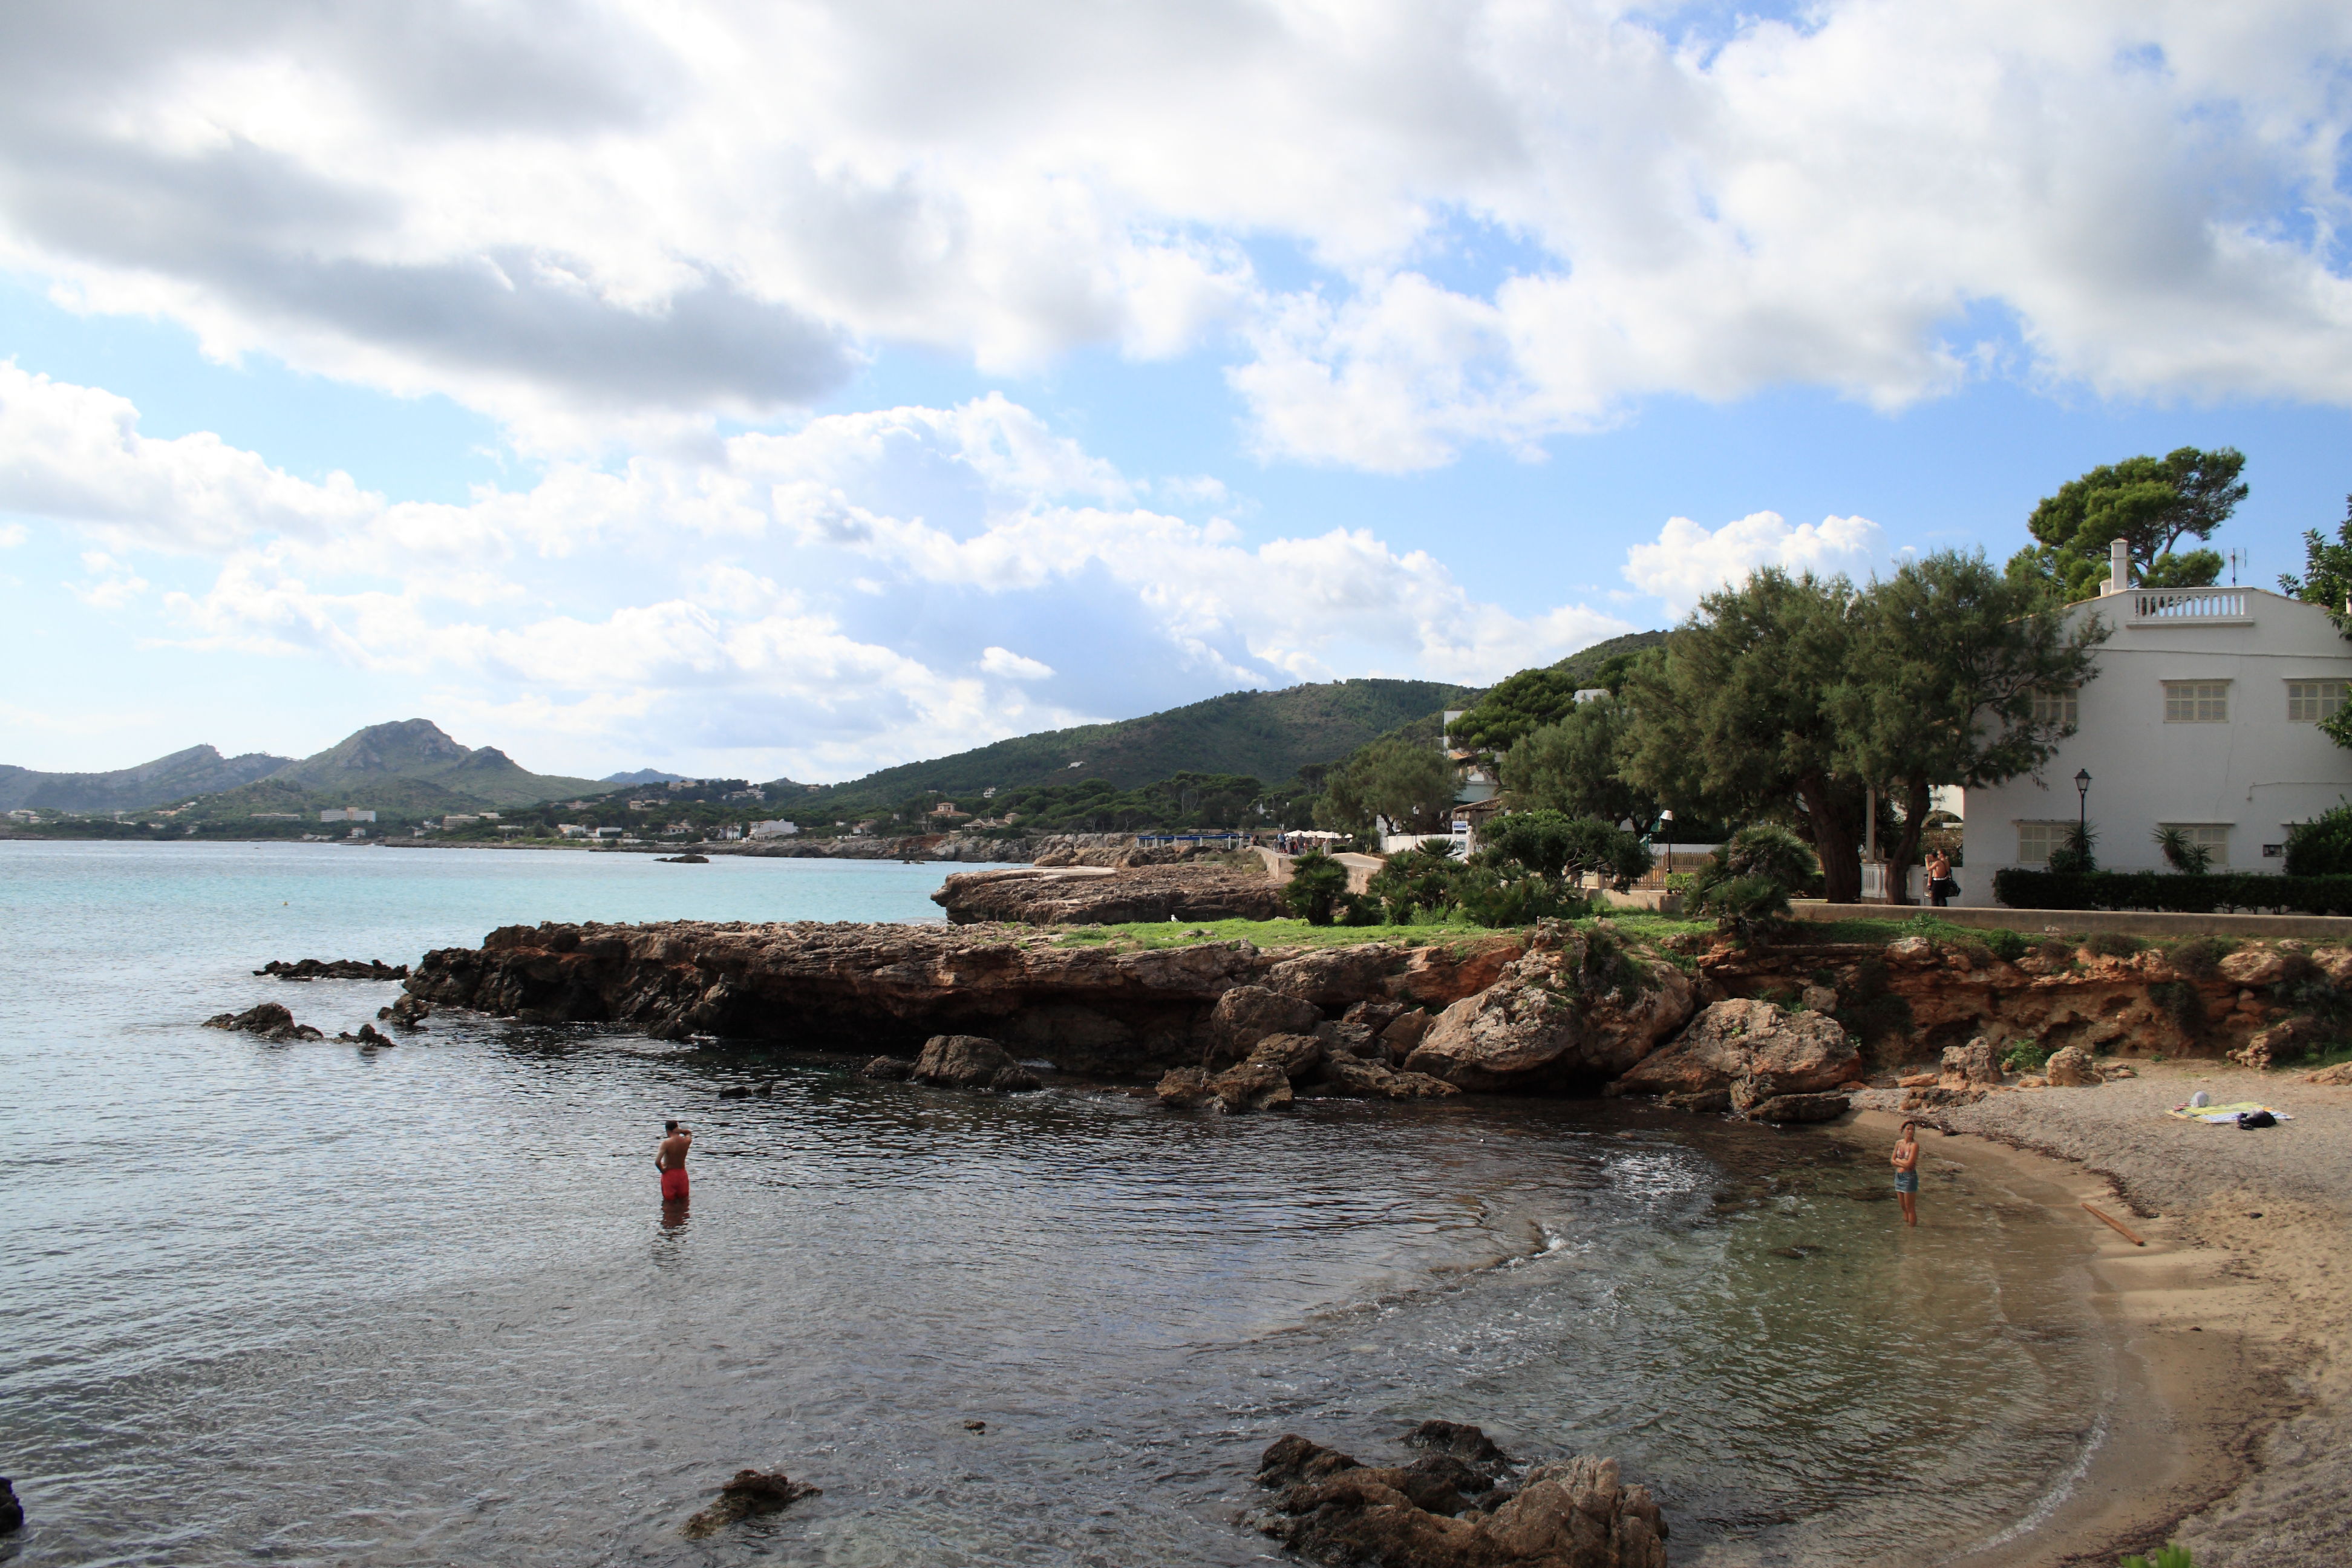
[2070,1068]
[1802,1053]
[1249,1014]
[1046,897]
[1294,1055]
[1245,1087]
[1971,1066]
[2339,1074]
[2252,967]
[1573,1514]
[1404,1037]
[1572,1011]
[270,1021]
[1358,1078]
[749,1492]
[968,1061]
[334,969]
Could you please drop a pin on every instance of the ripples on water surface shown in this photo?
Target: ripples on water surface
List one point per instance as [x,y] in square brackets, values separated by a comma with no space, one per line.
[302,1304]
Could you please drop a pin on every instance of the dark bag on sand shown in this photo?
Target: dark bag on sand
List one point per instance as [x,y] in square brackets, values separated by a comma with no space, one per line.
[2256,1119]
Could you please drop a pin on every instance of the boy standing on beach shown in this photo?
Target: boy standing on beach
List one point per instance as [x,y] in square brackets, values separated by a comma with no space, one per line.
[1906,1160]
[670,1161]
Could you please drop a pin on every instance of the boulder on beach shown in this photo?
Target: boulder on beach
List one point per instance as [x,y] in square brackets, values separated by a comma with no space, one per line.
[2071,1069]
[1972,1065]
[334,969]
[749,1492]
[270,1021]
[1802,1053]
[1577,1513]
[960,1061]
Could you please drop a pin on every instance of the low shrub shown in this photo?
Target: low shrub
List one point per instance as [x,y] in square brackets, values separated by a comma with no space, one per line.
[2196,957]
[2025,1055]
[2321,846]
[2008,946]
[2023,888]
[2113,943]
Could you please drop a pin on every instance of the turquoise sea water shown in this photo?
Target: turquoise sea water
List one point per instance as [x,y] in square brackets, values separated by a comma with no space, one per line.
[305,1304]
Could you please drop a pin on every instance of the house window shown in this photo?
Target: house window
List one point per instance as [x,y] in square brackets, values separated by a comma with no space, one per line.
[2196,701]
[2309,701]
[2212,835]
[2035,840]
[2060,706]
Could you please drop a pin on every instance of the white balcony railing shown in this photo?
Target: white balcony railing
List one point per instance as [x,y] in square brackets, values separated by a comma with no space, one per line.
[2170,605]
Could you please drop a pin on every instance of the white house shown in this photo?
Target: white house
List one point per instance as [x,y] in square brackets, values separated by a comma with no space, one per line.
[777,830]
[2204,716]
[347,814]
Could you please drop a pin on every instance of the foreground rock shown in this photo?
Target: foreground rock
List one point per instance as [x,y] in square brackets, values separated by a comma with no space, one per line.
[1799,1053]
[1443,1512]
[270,1021]
[968,1061]
[334,969]
[1115,897]
[750,1493]
[12,1513]
[1575,1009]
[1086,1008]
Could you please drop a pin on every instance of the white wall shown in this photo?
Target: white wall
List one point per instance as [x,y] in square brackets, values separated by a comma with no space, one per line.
[2255,774]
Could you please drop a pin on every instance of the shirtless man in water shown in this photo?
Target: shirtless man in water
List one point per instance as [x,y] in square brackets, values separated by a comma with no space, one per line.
[670,1161]
[1906,1160]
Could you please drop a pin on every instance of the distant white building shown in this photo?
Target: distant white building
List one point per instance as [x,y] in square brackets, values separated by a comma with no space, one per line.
[347,814]
[571,829]
[778,829]
[2204,716]
[456,819]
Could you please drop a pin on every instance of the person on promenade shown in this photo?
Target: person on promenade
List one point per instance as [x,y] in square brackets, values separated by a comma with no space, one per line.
[1906,1160]
[670,1161]
[1940,885]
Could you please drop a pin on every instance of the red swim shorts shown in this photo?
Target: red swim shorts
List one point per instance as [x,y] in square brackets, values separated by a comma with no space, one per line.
[674,1185]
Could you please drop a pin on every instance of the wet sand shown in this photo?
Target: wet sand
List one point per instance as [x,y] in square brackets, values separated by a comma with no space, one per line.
[2231,1438]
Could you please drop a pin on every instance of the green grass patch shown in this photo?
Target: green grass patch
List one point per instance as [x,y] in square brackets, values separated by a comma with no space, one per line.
[1264,934]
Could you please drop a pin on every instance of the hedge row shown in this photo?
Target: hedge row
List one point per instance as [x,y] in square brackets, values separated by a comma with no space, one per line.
[2023,889]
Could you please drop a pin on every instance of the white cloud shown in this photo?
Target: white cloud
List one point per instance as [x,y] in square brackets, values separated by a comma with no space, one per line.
[1010,666]
[835,598]
[633,217]
[1688,562]
[13,535]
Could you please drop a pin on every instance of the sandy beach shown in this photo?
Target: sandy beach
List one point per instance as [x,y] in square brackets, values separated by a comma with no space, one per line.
[2235,1311]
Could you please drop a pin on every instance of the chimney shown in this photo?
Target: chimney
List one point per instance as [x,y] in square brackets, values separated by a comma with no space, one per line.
[2118,565]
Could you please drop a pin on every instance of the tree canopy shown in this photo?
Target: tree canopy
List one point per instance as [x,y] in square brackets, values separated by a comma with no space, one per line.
[2151,502]
[2327,581]
[1571,766]
[1790,697]
[1411,785]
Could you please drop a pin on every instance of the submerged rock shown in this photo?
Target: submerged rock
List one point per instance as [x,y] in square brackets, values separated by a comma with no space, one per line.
[1574,1514]
[1459,1439]
[270,1021]
[887,1069]
[334,969]
[406,1012]
[369,1035]
[750,1493]
[12,1513]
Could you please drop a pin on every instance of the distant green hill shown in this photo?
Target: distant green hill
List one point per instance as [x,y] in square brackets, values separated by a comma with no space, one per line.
[166,781]
[1267,735]
[383,761]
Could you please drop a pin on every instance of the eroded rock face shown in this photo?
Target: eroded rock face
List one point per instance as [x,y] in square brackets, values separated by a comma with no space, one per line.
[1802,1053]
[1566,1015]
[1041,897]
[1574,1514]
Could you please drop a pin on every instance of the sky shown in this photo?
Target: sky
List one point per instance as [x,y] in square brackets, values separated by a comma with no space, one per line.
[797,388]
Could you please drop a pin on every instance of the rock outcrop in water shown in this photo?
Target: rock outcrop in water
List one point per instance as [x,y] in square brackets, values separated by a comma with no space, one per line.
[1800,1053]
[334,969]
[1039,896]
[748,1493]
[270,1021]
[406,1012]
[968,1061]
[1083,1005]
[12,1513]
[1446,1511]
[1577,1007]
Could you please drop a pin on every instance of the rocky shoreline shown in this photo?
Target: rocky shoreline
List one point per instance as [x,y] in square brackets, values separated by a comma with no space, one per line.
[1043,896]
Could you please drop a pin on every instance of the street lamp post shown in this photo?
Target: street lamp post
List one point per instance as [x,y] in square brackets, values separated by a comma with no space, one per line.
[1667,818]
[2082,809]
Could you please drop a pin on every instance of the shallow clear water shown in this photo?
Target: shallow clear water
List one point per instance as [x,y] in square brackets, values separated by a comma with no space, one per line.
[302,1304]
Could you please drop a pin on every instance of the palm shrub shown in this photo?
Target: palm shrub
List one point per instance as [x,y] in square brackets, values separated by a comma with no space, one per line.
[2074,857]
[1316,884]
[2184,856]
